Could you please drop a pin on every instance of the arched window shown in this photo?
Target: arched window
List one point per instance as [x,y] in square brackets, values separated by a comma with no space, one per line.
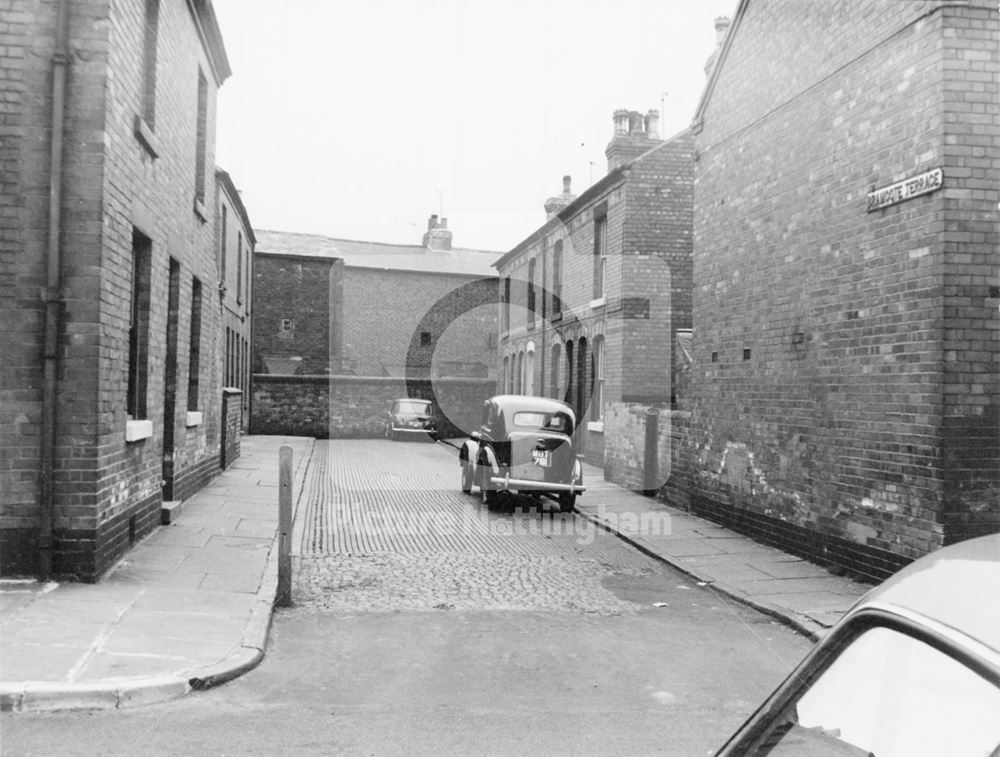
[505,377]
[529,370]
[570,393]
[556,371]
[582,385]
[598,402]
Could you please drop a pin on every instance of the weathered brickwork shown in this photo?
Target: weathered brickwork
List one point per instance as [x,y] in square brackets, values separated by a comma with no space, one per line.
[646,208]
[461,331]
[235,240]
[106,492]
[296,309]
[356,407]
[845,362]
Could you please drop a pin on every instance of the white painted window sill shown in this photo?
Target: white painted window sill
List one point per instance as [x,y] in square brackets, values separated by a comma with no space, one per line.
[138,430]
[597,426]
[598,303]
[193,419]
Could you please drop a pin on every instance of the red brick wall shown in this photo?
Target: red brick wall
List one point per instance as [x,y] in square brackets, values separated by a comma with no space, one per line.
[302,290]
[111,184]
[845,362]
[383,309]
[350,407]
[647,289]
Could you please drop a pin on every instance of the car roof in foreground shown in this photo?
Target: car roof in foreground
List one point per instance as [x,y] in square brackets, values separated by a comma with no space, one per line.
[517,402]
[957,586]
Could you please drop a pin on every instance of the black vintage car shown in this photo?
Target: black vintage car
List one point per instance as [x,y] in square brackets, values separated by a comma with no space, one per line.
[411,418]
[524,445]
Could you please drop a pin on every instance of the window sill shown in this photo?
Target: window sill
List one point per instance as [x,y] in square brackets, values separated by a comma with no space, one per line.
[598,303]
[145,136]
[597,426]
[138,430]
[193,419]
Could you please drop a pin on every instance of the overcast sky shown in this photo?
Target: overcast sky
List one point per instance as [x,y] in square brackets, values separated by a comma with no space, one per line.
[360,119]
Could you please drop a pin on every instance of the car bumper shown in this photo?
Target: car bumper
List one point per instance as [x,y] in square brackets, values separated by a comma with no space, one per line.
[411,430]
[526,484]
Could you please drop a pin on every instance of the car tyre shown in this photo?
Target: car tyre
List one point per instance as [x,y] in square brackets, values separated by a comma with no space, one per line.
[566,501]
[487,494]
[467,477]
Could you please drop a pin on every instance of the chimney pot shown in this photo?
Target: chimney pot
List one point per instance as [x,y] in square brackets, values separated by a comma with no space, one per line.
[653,124]
[566,182]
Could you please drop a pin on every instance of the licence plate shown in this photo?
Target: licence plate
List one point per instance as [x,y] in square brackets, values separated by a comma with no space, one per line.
[541,457]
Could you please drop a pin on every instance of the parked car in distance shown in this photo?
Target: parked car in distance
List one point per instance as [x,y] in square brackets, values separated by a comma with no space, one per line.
[912,669]
[409,417]
[525,444]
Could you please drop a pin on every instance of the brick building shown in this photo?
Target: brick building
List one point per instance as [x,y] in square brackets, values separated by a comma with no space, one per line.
[235,243]
[111,394]
[592,301]
[374,309]
[340,307]
[844,391]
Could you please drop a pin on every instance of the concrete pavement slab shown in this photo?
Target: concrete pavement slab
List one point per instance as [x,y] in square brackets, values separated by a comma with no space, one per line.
[188,607]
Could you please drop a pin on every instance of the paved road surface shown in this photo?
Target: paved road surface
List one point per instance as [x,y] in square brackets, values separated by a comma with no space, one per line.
[424,624]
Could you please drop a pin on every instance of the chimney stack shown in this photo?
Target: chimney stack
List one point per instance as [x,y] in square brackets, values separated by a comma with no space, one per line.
[721,28]
[437,237]
[634,134]
[555,204]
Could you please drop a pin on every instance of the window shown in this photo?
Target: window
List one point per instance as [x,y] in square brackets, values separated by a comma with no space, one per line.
[246,277]
[505,305]
[138,335]
[425,339]
[598,402]
[152,22]
[194,356]
[201,140]
[239,267]
[556,361]
[600,254]
[582,387]
[887,694]
[570,396]
[557,256]
[529,373]
[223,244]
[531,293]
[287,326]
[505,385]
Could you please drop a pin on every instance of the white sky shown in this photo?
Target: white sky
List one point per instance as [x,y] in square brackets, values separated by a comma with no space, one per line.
[359,119]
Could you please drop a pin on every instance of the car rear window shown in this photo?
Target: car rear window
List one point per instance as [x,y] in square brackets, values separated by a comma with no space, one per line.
[552,421]
[413,406]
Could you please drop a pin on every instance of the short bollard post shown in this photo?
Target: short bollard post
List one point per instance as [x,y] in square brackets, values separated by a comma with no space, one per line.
[284,595]
[651,457]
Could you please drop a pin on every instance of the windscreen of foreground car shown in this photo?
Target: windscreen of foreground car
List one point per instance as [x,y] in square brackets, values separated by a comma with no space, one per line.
[413,406]
[888,694]
[551,421]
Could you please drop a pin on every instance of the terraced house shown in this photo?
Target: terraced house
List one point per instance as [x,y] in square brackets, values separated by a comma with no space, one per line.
[594,301]
[112,371]
[845,399]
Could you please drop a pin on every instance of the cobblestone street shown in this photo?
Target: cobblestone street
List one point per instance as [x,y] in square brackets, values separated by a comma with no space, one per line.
[385,527]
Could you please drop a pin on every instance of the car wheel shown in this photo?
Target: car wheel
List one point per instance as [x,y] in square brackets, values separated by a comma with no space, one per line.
[566,501]
[466,477]
[486,493]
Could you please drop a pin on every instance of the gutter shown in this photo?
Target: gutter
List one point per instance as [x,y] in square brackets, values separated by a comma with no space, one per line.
[51,294]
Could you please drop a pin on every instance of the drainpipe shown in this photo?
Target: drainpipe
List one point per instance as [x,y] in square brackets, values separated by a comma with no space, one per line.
[51,294]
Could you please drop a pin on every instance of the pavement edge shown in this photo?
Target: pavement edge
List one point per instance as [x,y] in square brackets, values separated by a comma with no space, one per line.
[812,632]
[47,696]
